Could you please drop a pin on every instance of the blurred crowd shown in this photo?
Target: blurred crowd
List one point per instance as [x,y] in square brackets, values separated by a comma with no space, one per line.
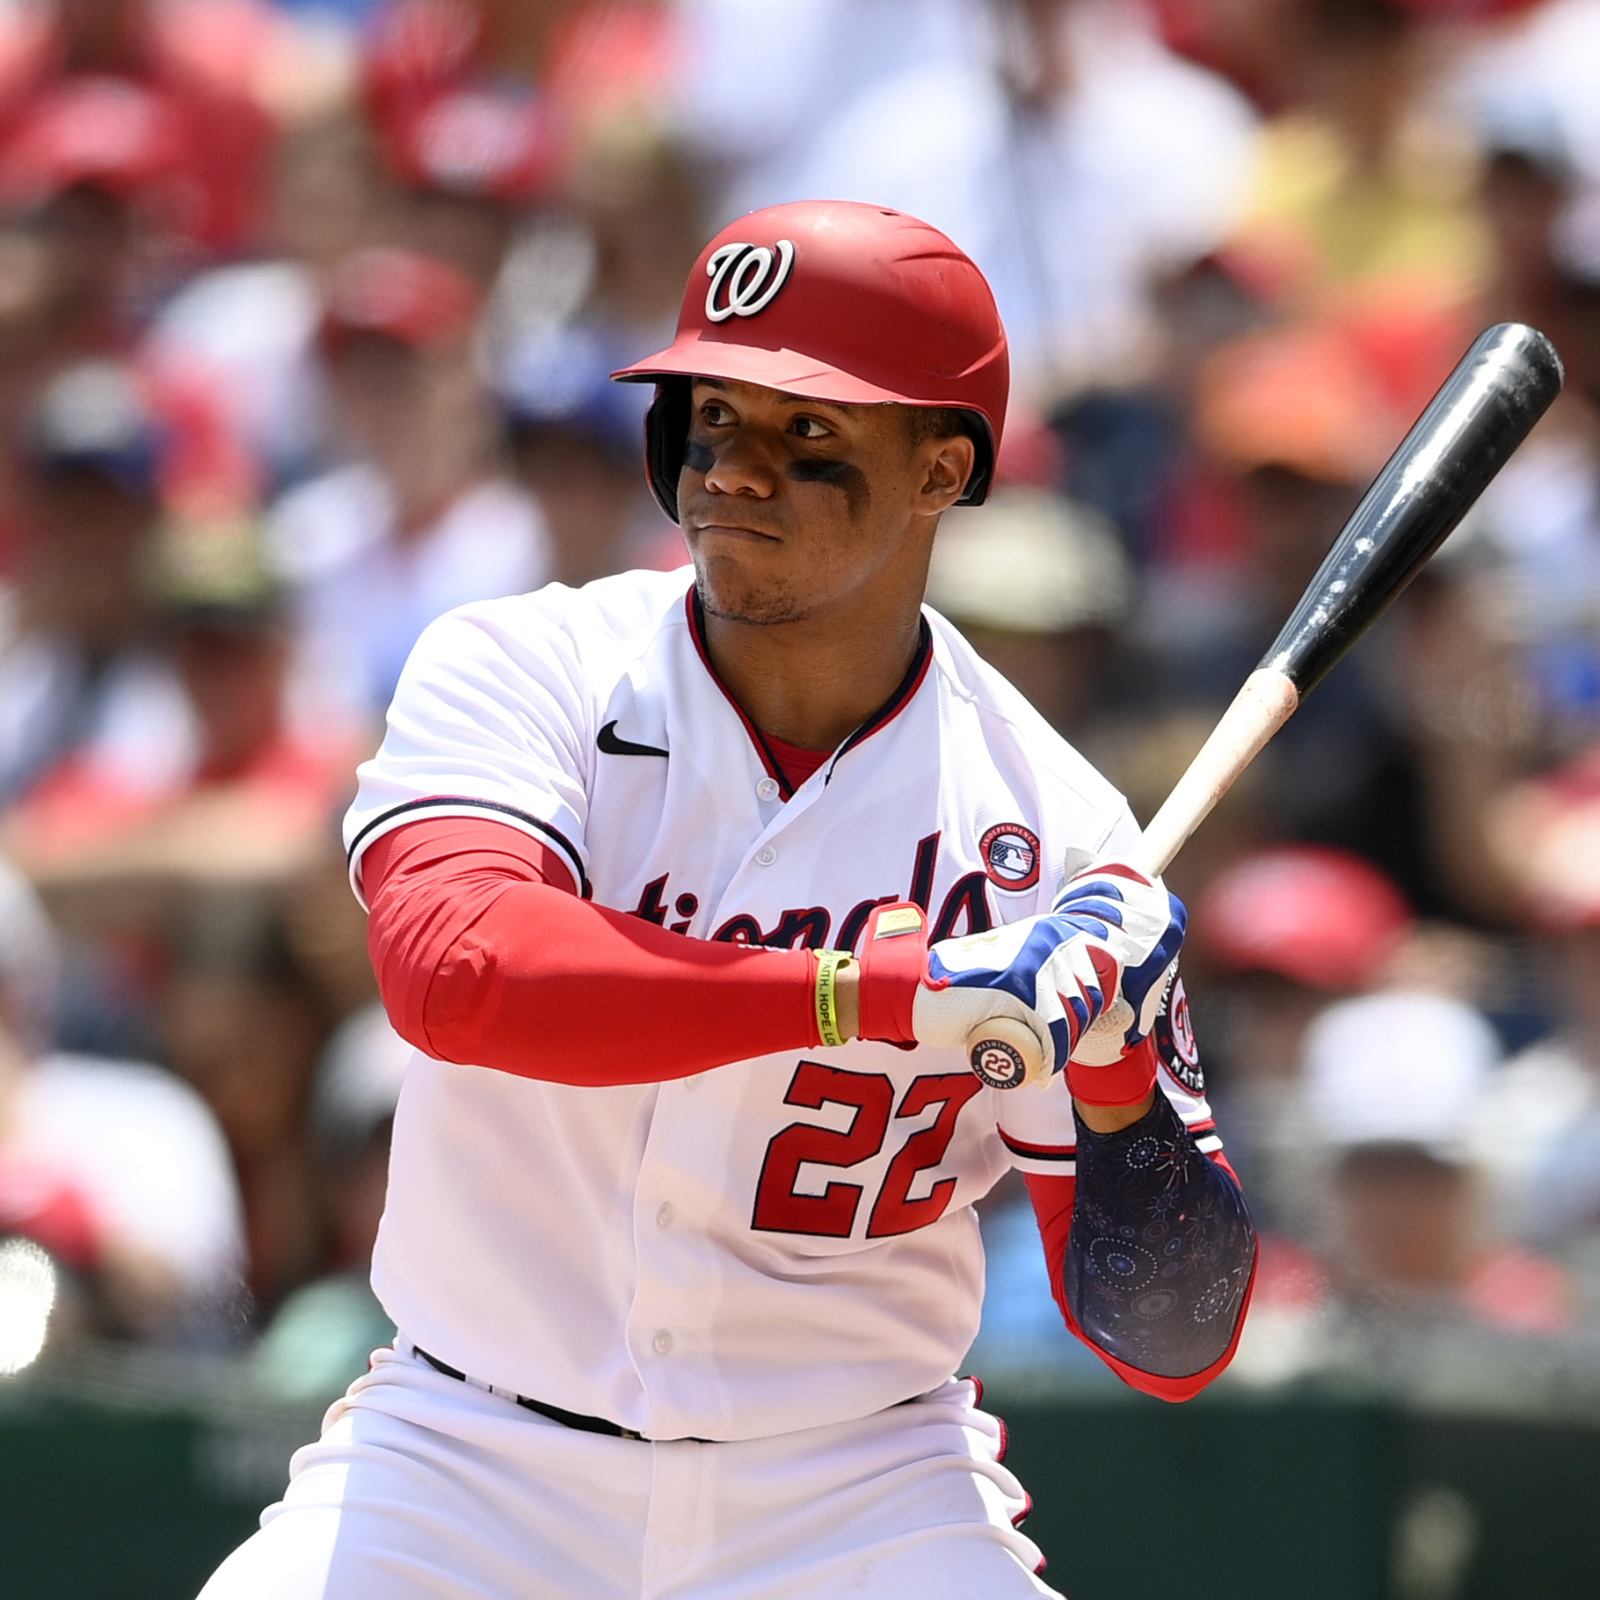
[306,314]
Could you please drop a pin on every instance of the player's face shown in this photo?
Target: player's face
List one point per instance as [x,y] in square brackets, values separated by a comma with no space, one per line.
[793,507]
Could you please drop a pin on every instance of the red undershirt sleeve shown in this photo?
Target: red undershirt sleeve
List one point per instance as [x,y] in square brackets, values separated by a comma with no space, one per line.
[486,956]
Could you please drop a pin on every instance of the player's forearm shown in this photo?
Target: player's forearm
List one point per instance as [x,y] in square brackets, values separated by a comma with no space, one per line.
[1151,1253]
[481,962]
[1112,1119]
[548,986]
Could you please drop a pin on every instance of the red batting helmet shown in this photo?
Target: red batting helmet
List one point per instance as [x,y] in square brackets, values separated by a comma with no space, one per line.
[835,301]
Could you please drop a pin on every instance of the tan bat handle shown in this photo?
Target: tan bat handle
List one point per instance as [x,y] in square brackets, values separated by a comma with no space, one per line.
[1005,1053]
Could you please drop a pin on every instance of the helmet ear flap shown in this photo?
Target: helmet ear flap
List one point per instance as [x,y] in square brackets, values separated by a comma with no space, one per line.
[666,433]
[982,435]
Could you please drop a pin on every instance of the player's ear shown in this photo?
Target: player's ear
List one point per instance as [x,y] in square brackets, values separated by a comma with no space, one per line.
[946,465]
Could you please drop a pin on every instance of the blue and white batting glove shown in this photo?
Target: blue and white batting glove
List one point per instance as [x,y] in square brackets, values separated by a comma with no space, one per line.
[1112,933]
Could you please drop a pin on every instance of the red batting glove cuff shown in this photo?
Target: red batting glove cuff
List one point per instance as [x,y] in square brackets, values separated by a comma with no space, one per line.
[893,954]
[1123,1083]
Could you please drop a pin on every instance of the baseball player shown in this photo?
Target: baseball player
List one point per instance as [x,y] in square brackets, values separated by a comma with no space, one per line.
[688,889]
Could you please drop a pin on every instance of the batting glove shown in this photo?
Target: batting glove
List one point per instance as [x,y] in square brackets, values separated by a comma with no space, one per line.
[1111,933]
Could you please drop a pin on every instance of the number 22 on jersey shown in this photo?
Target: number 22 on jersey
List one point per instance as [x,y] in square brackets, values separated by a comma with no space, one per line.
[832,1214]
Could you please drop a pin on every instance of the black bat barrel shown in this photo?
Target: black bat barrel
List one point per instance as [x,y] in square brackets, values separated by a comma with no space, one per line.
[1486,408]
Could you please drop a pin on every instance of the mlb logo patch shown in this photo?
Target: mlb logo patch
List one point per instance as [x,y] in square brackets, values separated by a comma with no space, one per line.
[1010,855]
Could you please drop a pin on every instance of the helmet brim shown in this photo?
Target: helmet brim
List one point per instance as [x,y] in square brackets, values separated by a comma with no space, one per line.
[790,371]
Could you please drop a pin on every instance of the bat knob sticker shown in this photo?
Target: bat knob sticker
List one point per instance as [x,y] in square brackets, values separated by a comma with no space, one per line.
[998,1064]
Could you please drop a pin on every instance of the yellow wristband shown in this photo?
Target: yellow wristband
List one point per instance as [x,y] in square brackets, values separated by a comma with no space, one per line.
[828,964]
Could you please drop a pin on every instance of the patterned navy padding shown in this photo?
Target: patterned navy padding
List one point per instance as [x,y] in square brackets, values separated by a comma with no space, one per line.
[1161,1247]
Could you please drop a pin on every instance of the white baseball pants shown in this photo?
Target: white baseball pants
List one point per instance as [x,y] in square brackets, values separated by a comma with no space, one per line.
[426,1488]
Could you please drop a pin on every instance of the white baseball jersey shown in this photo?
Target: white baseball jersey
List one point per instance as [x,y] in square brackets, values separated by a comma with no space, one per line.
[780,1243]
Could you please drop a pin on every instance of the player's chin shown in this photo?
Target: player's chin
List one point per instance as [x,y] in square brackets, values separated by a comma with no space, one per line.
[730,591]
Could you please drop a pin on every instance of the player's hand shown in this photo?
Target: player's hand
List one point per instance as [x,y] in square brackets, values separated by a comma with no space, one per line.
[1112,933]
[1147,943]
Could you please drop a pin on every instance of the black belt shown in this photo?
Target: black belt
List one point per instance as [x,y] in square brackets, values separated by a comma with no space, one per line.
[567,1419]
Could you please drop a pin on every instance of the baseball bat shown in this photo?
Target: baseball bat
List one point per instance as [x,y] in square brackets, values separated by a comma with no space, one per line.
[1471,427]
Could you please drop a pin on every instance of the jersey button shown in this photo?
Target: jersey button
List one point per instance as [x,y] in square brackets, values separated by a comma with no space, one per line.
[662,1342]
[767,789]
[666,1215]
[766,855]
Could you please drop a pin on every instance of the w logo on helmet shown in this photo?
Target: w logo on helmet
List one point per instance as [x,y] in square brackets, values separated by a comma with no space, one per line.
[745,277]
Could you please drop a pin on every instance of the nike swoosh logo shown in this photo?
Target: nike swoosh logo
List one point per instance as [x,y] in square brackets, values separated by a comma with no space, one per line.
[610,745]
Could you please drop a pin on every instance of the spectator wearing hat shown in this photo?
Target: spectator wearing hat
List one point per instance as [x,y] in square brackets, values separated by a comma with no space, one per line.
[114,1168]
[134,137]
[479,106]
[247,329]
[423,518]
[1289,424]
[1541,1128]
[1409,1248]
[585,285]
[250,798]
[1393,1081]
[575,443]
[1287,931]
[1397,1082]
[83,687]
[1038,585]
[1530,87]
[472,158]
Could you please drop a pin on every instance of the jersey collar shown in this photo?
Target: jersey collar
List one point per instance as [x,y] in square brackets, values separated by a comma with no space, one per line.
[881,718]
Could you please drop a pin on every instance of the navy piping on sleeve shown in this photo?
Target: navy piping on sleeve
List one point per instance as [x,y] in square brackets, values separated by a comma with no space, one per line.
[555,835]
[1039,1152]
[1205,1136]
